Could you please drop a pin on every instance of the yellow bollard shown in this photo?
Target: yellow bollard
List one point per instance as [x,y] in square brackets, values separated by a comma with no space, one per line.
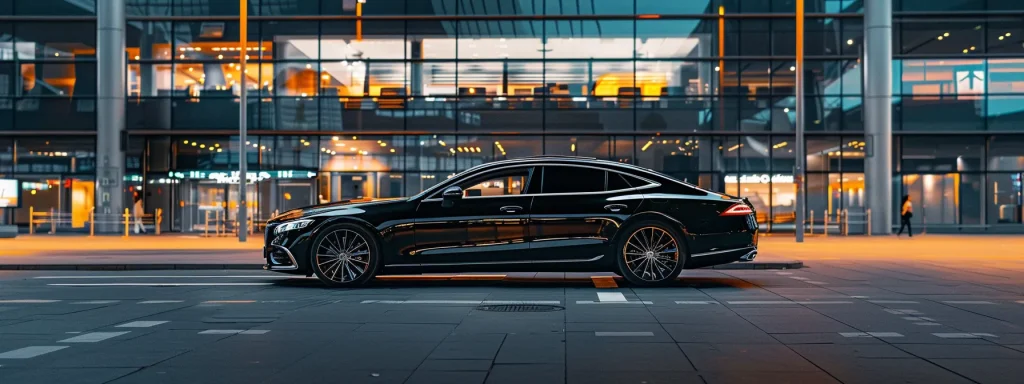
[53,222]
[126,217]
[31,220]
[158,219]
[92,221]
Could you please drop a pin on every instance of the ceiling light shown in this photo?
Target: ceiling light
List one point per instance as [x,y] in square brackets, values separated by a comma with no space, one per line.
[972,47]
[849,42]
[792,68]
[220,57]
[1002,37]
[1007,34]
[946,34]
[940,37]
[965,51]
[717,68]
[308,66]
[785,110]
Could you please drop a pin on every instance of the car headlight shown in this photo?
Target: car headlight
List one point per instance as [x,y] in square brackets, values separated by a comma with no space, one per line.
[292,225]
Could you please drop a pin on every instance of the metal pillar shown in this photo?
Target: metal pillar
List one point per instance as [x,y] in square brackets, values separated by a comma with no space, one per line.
[878,113]
[110,111]
[243,179]
[801,150]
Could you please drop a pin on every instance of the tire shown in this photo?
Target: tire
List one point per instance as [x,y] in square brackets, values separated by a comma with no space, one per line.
[344,256]
[645,253]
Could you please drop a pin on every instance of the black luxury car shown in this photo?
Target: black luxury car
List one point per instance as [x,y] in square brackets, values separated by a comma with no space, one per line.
[547,213]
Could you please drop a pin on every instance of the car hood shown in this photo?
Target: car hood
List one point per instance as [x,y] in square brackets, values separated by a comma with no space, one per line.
[321,208]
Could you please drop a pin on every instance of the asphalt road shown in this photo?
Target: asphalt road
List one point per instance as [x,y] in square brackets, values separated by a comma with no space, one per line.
[835,321]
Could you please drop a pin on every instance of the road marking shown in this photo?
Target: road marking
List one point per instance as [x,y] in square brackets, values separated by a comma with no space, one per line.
[859,297]
[161,301]
[617,297]
[870,334]
[229,301]
[770,302]
[28,301]
[93,337]
[221,331]
[140,324]
[817,282]
[97,302]
[784,273]
[470,302]
[904,312]
[968,302]
[620,334]
[166,276]
[614,302]
[1020,302]
[157,284]
[254,332]
[892,302]
[30,352]
[697,302]
[277,301]
[918,318]
[957,335]
[798,278]
[927,323]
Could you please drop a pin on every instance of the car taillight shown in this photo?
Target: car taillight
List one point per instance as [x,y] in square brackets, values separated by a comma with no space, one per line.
[738,209]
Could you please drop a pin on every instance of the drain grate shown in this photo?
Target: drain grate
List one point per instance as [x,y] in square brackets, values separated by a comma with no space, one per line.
[519,308]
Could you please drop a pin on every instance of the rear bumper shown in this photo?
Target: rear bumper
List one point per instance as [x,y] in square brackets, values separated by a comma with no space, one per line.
[707,259]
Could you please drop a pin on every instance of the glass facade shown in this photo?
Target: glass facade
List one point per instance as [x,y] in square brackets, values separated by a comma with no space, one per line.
[382,98]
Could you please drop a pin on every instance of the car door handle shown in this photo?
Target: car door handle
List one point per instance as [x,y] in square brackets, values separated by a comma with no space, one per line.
[615,207]
[511,209]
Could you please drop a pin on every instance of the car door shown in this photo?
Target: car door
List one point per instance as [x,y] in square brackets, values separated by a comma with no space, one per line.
[487,225]
[578,212]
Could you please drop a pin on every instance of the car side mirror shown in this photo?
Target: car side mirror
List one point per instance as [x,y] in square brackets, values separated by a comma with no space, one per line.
[450,196]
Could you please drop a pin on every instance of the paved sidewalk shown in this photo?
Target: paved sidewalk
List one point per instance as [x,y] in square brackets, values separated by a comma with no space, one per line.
[180,252]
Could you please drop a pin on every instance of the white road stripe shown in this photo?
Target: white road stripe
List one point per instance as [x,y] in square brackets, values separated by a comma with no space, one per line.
[628,334]
[221,331]
[957,335]
[166,277]
[918,318]
[161,301]
[229,302]
[696,302]
[927,323]
[892,301]
[817,282]
[30,352]
[798,278]
[783,273]
[254,332]
[93,337]
[912,312]
[614,302]
[859,297]
[156,284]
[870,334]
[27,301]
[770,302]
[967,302]
[97,302]
[611,297]
[140,324]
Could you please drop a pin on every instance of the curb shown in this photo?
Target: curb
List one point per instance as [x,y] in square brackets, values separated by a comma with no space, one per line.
[187,266]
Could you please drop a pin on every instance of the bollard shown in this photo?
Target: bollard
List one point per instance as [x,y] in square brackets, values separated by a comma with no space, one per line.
[827,215]
[53,223]
[31,220]
[206,228]
[126,218]
[868,214]
[92,221]
[810,225]
[157,220]
[846,224]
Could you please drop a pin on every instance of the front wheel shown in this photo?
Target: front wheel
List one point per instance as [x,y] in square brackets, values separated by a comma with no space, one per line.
[651,254]
[345,255]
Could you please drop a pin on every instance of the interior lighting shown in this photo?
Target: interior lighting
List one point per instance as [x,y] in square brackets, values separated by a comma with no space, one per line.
[849,42]
[946,34]
[717,68]
[646,145]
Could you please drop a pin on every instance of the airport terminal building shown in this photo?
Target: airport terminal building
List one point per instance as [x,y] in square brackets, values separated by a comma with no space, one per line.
[382,98]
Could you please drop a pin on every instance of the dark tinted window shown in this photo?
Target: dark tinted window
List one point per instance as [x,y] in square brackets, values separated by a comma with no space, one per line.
[635,182]
[497,183]
[573,180]
[617,182]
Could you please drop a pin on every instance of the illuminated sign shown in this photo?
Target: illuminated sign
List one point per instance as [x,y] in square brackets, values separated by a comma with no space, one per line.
[763,178]
[10,193]
[232,176]
[970,81]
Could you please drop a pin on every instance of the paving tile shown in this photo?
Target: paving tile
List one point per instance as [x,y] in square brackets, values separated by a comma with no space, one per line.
[62,375]
[632,377]
[177,375]
[880,370]
[986,370]
[604,356]
[761,377]
[745,357]
[532,349]
[456,365]
[466,350]
[446,377]
[527,373]
[938,351]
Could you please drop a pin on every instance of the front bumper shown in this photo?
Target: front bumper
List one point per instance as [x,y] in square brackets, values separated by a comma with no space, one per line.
[279,258]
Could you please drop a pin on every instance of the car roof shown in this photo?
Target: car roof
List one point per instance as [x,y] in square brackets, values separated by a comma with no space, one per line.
[568,160]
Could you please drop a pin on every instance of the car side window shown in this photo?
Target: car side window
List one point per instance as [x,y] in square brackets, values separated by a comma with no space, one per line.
[499,183]
[558,179]
[633,181]
[617,182]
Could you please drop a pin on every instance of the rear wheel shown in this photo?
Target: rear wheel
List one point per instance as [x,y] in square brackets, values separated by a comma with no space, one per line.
[345,255]
[652,254]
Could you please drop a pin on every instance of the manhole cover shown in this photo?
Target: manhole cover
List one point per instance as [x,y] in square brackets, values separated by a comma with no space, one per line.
[520,308]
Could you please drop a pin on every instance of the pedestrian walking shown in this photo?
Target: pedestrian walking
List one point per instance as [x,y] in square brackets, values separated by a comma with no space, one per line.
[137,212]
[905,214]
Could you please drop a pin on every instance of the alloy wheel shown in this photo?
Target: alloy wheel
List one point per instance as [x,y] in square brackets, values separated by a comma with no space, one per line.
[651,254]
[343,256]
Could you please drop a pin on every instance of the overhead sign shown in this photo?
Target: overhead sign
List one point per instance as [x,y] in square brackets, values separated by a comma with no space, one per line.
[970,81]
[763,178]
[230,177]
[10,193]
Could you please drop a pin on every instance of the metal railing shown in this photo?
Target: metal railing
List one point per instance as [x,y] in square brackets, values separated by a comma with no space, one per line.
[52,220]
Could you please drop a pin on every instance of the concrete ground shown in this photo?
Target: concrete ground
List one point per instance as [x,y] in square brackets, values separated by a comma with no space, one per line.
[892,315]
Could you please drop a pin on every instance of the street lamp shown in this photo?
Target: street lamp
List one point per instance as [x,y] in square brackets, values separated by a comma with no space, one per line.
[243,209]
